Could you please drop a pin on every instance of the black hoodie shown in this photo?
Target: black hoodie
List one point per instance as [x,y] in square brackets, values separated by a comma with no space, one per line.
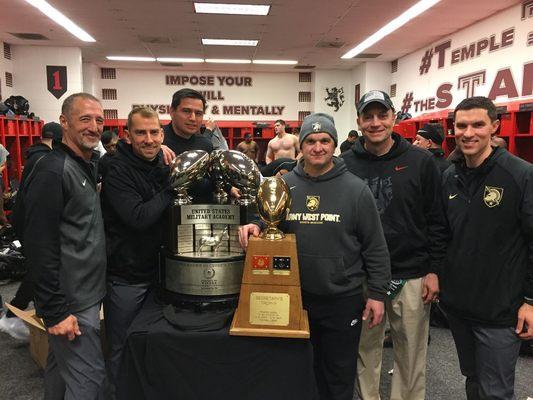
[136,194]
[338,232]
[406,185]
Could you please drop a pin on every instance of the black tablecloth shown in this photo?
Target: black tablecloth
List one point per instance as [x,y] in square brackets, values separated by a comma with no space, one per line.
[163,362]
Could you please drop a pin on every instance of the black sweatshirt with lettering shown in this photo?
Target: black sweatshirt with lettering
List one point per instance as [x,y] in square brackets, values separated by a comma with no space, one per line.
[338,233]
[405,183]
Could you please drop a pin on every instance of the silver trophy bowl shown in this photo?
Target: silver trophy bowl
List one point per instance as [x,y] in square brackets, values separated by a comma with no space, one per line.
[186,169]
[242,172]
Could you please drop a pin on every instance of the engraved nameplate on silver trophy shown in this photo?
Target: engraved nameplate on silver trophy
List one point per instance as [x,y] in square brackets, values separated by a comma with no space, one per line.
[208,231]
[204,278]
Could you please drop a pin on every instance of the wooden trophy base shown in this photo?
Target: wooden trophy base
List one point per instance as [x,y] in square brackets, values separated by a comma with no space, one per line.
[270,301]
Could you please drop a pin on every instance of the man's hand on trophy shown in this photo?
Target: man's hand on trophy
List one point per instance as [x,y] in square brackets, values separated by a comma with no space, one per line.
[234,192]
[245,231]
[168,155]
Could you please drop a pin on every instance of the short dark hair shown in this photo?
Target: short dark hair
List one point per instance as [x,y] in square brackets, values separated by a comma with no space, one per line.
[66,108]
[353,133]
[107,136]
[478,102]
[280,121]
[184,94]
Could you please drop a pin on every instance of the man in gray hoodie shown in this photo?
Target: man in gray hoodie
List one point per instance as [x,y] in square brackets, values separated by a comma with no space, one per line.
[338,231]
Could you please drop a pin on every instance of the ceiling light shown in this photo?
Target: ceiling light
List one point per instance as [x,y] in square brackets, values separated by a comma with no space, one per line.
[234,9]
[228,42]
[281,62]
[180,60]
[60,19]
[227,61]
[396,23]
[128,58]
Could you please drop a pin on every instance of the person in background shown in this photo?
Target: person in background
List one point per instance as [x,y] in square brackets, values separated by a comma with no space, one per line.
[10,323]
[352,137]
[249,147]
[109,140]
[284,145]
[430,137]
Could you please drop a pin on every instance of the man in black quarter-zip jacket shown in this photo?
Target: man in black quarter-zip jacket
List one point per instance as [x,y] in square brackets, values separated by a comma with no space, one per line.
[64,246]
[487,280]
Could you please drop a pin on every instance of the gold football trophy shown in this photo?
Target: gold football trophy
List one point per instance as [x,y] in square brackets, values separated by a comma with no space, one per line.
[270,301]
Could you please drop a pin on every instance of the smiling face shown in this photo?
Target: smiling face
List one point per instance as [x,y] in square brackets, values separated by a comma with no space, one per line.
[146,136]
[376,122]
[317,152]
[473,131]
[83,126]
[187,117]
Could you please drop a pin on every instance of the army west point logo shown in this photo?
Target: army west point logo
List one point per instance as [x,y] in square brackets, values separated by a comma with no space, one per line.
[312,203]
[493,196]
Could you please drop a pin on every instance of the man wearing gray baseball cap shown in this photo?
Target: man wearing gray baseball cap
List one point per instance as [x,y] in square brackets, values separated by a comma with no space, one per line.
[343,244]
[405,182]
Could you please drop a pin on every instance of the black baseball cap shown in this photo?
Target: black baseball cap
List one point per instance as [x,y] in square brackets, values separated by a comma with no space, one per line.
[374,96]
[432,132]
[52,130]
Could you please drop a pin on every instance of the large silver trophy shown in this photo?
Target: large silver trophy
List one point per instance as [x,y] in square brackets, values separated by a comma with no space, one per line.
[240,171]
[202,262]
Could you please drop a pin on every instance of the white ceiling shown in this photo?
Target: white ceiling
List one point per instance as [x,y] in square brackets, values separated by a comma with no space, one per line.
[291,31]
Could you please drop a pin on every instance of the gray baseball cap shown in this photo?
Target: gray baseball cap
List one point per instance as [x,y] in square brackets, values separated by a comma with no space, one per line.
[374,96]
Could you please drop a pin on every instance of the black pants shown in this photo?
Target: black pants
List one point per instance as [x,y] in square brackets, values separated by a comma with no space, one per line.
[487,357]
[335,325]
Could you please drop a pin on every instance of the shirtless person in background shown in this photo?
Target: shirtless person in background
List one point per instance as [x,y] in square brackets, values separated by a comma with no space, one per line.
[249,147]
[283,145]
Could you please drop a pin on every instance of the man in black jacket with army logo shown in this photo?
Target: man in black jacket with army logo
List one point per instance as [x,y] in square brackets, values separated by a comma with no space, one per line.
[487,280]
[406,184]
[64,246]
[136,193]
[340,244]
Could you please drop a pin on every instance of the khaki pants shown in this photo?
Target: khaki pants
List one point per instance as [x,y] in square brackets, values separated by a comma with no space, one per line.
[409,322]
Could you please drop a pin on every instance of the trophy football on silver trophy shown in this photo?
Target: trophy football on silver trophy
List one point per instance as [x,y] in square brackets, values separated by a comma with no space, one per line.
[202,261]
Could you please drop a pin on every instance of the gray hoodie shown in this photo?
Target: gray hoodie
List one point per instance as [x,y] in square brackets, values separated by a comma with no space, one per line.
[339,233]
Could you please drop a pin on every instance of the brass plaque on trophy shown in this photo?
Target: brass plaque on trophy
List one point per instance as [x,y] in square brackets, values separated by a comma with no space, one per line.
[270,301]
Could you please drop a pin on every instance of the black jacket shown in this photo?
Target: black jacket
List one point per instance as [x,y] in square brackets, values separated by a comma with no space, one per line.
[34,153]
[64,241]
[136,194]
[440,160]
[406,185]
[489,266]
[339,235]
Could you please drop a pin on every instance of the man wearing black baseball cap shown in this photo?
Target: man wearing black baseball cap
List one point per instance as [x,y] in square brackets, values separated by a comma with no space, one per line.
[406,185]
[430,137]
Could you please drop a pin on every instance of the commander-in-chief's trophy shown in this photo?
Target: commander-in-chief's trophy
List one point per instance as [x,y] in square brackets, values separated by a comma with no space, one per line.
[202,261]
[270,302]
